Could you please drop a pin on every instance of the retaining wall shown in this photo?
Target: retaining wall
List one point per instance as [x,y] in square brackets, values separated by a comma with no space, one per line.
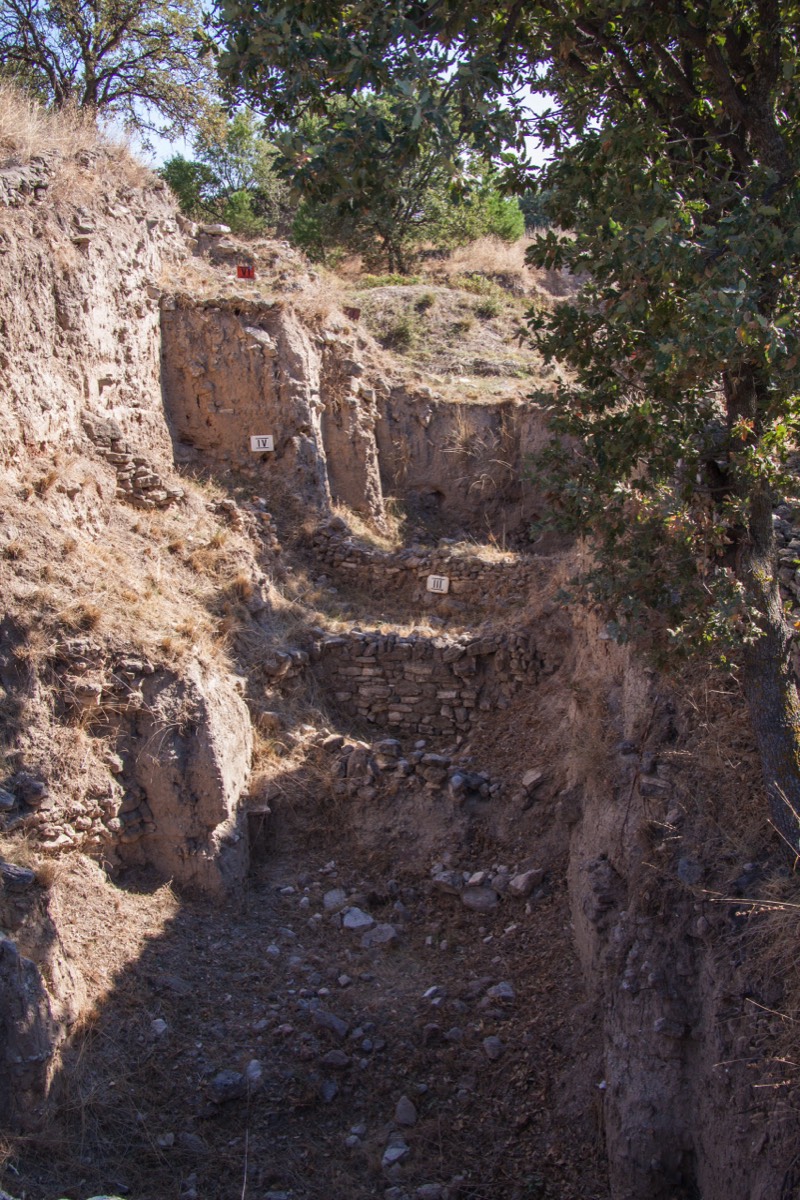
[426,686]
[405,573]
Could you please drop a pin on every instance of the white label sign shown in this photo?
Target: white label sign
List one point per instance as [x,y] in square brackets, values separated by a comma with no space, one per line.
[261,442]
[438,583]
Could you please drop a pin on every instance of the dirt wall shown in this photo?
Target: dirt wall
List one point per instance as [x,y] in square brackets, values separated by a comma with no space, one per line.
[463,462]
[79,330]
[691,1027]
[234,369]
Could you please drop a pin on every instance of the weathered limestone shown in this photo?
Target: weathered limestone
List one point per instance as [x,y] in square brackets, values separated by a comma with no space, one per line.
[171,795]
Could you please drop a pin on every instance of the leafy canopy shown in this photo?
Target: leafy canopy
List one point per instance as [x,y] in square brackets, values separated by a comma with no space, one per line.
[362,196]
[233,177]
[136,59]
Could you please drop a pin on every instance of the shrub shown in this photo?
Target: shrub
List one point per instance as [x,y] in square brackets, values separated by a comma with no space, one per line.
[402,334]
[488,307]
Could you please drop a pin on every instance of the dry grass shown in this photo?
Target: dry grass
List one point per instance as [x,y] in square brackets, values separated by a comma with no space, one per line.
[389,538]
[506,263]
[155,582]
[317,295]
[322,299]
[28,130]
[719,769]
[490,551]
[489,256]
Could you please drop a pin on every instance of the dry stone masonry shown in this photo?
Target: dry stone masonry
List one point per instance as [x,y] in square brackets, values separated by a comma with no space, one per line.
[137,481]
[416,684]
[405,572]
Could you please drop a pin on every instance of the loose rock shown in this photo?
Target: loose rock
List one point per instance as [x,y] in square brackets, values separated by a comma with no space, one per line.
[479,899]
[523,884]
[15,878]
[493,1048]
[405,1112]
[324,1019]
[357,919]
[396,1150]
[381,935]
[228,1085]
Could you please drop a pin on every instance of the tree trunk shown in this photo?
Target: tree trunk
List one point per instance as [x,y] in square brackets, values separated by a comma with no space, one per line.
[768,679]
[771,694]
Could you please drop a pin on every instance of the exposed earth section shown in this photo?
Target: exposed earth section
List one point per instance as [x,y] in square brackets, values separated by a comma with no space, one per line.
[343,853]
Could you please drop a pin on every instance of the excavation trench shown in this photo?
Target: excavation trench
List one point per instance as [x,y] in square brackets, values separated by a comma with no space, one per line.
[484,947]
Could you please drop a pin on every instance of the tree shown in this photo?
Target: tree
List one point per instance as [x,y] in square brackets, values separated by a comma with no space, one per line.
[676,127]
[136,59]
[233,178]
[359,195]
[533,203]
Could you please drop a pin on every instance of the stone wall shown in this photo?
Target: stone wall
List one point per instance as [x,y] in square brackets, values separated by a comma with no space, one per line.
[137,481]
[405,572]
[426,686]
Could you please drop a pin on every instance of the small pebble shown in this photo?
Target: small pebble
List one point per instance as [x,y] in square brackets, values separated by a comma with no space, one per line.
[405,1112]
[493,1048]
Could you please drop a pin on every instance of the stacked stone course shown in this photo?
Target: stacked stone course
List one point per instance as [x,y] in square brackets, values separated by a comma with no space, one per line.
[426,686]
[137,482]
[405,572]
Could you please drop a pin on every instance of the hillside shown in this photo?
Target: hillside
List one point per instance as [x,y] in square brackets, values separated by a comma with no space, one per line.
[316,881]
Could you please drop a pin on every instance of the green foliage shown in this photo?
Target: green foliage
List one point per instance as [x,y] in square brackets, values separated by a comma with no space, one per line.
[503,217]
[376,281]
[308,232]
[402,334]
[358,199]
[675,150]
[533,205]
[238,213]
[477,284]
[488,307]
[137,60]
[190,181]
[233,178]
